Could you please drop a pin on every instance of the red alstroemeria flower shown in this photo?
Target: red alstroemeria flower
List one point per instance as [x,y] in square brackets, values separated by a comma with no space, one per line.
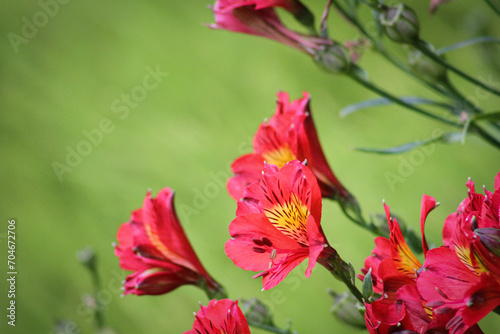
[464,275]
[394,270]
[277,224]
[154,246]
[220,317]
[289,134]
[293,6]
[259,18]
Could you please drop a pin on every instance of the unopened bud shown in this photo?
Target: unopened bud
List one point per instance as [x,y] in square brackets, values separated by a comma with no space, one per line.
[425,67]
[334,58]
[256,312]
[490,237]
[90,301]
[345,308]
[87,257]
[400,24]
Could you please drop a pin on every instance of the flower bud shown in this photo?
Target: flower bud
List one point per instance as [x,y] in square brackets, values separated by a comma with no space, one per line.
[345,308]
[400,24]
[256,312]
[425,67]
[490,237]
[334,58]
[87,257]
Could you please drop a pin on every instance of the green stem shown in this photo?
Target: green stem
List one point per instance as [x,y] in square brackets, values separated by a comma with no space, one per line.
[352,205]
[99,311]
[485,135]
[358,220]
[456,95]
[215,291]
[423,47]
[340,270]
[494,7]
[379,48]
[268,328]
[367,84]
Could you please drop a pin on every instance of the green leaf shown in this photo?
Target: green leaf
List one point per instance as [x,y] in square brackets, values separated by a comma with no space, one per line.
[367,288]
[472,41]
[447,138]
[383,101]
[352,273]
[491,116]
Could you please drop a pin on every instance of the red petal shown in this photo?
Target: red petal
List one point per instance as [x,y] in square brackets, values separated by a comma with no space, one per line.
[449,227]
[403,258]
[444,276]
[247,169]
[166,233]
[157,281]
[428,204]
[244,230]
[220,316]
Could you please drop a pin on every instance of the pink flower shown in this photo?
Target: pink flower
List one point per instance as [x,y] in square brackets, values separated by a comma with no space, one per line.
[289,134]
[154,246]
[220,317]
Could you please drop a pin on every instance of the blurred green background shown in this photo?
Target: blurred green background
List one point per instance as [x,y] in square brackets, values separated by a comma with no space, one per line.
[69,77]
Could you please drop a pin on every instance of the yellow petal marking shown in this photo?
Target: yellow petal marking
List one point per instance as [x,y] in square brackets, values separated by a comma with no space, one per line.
[160,246]
[290,218]
[280,156]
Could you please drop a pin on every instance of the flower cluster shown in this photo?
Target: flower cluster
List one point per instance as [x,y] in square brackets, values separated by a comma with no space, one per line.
[458,283]
[279,189]
[278,225]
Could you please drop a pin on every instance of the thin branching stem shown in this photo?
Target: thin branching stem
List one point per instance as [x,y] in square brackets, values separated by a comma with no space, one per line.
[424,48]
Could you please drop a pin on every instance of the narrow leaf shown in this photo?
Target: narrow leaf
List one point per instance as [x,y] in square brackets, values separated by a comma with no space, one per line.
[352,273]
[383,101]
[397,149]
[492,116]
[367,288]
[472,41]
[448,138]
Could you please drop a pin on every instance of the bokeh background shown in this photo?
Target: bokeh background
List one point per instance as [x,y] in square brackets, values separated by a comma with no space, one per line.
[69,78]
